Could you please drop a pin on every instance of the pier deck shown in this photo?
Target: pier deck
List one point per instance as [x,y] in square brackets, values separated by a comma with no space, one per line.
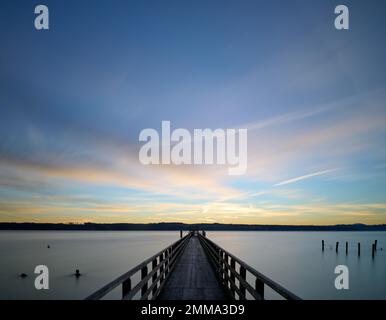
[193,277]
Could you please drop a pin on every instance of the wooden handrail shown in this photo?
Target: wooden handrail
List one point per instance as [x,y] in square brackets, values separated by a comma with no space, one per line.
[227,274]
[162,263]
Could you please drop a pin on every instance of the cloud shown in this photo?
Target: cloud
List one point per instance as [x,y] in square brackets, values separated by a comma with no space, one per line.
[332,139]
[307,176]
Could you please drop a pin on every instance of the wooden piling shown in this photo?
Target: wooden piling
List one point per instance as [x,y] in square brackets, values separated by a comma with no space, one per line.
[375,243]
[180,233]
[359,249]
[373,250]
[337,247]
[322,245]
[346,247]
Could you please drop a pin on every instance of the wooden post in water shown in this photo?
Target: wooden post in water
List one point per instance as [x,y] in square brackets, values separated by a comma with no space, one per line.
[373,250]
[346,247]
[322,245]
[376,242]
[359,249]
[180,233]
[337,247]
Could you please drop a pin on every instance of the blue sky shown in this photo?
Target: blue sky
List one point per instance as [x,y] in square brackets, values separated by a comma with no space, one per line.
[73,100]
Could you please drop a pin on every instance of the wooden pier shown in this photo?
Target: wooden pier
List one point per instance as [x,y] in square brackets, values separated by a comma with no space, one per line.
[193,268]
[193,277]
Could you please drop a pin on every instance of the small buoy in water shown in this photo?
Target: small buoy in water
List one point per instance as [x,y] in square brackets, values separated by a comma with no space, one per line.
[23,275]
[77,273]
[48,246]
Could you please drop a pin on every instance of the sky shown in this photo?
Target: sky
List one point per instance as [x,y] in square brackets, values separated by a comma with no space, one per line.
[74,98]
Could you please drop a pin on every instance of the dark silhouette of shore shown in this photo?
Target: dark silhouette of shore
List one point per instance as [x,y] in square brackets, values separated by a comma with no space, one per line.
[173,226]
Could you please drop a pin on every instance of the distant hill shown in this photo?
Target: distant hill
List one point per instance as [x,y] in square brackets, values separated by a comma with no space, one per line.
[182,226]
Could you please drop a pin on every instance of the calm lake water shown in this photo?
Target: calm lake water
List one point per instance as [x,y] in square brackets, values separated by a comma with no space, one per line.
[293,259]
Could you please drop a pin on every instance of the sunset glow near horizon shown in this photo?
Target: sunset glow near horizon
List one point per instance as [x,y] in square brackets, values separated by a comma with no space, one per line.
[73,100]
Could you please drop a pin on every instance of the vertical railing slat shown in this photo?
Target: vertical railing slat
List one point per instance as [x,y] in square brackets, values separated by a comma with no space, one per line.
[233,266]
[155,275]
[243,275]
[143,276]
[162,258]
[226,270]
[259,287]
[126,287]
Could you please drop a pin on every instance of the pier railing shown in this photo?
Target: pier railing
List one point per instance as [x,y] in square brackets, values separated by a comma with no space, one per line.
[234,274]
[152,272]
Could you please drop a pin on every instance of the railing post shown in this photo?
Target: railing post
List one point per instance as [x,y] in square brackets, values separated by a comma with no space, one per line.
[259,287]
[233,266]
[126,287]
[223,267]
[155,275]
[143,276]
[219,264]
[169,253]
[166,261]
[226,261]
[172,253]
[243,275]
[161,269]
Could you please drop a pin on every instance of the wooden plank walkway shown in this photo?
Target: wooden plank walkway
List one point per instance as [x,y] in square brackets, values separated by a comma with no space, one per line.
[193,277]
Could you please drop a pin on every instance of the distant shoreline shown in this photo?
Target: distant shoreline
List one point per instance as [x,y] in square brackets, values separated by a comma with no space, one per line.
[185,227]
